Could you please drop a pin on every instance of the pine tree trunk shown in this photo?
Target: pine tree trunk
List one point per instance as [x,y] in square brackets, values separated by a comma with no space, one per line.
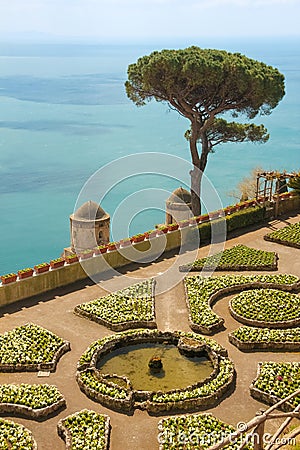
[196,177]
[198,169]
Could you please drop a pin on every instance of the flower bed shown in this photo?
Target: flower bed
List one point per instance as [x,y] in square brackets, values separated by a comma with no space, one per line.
[250,338]
[236,258]
[31,400]
[194,431]
[276,381]
[132,307]
[202,292]
[289,235]
[266,308]
[85,430]
[15,436]
[120,395]
[30,348]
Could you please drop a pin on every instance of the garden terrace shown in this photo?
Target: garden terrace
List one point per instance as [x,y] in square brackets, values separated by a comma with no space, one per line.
[251,338]
[85,430]
[289,235]
[119,393]
[30,348]
[193,431]
[132,307]
[15,436]
[54,311]
[31,400]
[236,258]
[269,308]
[275,381]
[202,292]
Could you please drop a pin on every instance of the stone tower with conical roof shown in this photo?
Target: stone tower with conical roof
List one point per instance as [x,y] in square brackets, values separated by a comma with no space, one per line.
[90,226]
[178,206]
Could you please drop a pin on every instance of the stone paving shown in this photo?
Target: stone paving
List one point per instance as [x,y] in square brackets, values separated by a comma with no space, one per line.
[54,311]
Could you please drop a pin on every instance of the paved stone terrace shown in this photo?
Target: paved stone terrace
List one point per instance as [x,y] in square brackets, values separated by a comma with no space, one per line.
[139,431]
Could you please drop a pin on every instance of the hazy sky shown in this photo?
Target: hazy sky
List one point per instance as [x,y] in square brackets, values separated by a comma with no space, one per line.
[147,19]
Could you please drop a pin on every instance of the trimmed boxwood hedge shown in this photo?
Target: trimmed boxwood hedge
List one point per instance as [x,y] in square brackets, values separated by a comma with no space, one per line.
[201,292]
[289,235]
[276,381]
[131,307]
[32,400]
[268,307]
[86,430]
[253,338]
[194,431]
[239,219]
[30,348]
[15,436]
[239,257]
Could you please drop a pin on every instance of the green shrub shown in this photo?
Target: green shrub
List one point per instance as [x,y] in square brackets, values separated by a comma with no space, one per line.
[234,221]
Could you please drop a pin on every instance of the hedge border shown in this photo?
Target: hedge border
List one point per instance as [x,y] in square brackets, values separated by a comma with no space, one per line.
[144,399]
[210,329]
[281,241]
[28,412]
[255,345]
[50,366]
[263,323]
[265,397]
[33,441]
[66,435]
[121,326]
[227,268]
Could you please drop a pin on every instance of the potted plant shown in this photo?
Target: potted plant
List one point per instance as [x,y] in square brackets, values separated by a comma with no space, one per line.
[57,262]
[100,249]
[41,268]
[173,226]
[85,254]
[113,245]
[162,229]
[184,224]
[229,209]
[8,278]
[138,237]
[204,218]
[125,242]
[70,259]
[215,214]
[193,221]
[152,234]
[25,273]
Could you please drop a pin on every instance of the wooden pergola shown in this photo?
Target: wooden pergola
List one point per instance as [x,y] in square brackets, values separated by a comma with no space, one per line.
[269,185]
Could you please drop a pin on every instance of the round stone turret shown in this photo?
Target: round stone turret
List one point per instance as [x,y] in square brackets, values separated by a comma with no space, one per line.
[178,206]
[90,226]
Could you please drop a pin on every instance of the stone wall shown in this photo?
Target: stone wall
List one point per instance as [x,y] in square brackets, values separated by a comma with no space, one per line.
[68,274]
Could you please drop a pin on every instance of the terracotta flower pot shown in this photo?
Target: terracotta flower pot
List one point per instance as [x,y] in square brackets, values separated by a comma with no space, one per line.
[125,243]
[184,224]
[42,269]
[86,255]
[204,218]
[26,274]
[72,260]
[138,238]
[56,264]
[173,227]
[9,279]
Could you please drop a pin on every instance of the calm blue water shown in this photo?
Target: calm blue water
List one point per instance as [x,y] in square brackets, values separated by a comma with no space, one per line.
[64,114]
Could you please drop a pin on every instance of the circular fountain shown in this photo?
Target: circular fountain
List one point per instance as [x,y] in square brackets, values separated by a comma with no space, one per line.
[156,371]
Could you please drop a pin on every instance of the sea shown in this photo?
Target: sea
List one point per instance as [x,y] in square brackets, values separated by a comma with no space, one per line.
[65,116]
